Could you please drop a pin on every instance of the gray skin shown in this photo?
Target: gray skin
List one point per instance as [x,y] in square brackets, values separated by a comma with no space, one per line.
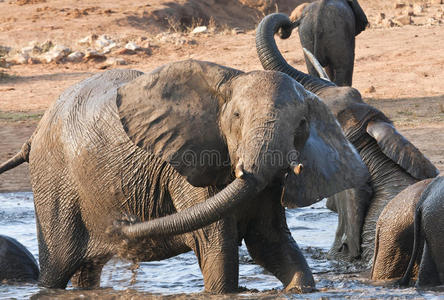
[394,234]
[393,162]
[327,28]
[16,263]
[428,237]
[199,155]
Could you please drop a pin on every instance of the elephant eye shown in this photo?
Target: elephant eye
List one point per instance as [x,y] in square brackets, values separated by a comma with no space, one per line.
[301,134]
[236,114]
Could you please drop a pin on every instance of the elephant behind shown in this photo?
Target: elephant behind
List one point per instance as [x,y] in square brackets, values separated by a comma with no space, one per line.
[191,156]
[327,28]
[393,162]
[16,263]
[428,237]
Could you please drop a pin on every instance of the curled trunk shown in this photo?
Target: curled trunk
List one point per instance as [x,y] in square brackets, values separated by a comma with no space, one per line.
[272,59]
[197,216]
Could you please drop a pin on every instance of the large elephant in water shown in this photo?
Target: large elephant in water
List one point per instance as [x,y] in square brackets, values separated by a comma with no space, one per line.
[327,28]
[393,162]
[16,263]
[199,155]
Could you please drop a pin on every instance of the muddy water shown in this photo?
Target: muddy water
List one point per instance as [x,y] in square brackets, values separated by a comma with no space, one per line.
[180,277]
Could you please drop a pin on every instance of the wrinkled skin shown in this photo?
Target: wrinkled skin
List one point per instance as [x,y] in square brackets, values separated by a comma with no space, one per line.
[16,263]
[392,161]
[394,234]
[327,28]
[191,156]
[428,237]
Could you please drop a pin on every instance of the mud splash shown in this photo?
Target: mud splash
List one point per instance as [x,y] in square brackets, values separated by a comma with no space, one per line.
[180,278]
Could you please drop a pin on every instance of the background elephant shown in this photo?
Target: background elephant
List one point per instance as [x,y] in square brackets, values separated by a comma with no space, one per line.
[16,263]
[428,237]
[393,162]
[327,28]
[199,155]
[394,234]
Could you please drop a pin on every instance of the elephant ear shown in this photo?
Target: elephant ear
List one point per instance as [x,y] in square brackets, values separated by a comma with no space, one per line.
[173,114]
[401,151]
[331,163]
[361,20]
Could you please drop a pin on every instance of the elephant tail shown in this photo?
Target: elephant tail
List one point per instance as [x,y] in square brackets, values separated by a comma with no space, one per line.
[375,253]
[19,158]
[405,280]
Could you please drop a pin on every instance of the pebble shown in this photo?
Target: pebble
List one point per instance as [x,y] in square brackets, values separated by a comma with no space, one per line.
[199,29]
[76,56]
[132,46]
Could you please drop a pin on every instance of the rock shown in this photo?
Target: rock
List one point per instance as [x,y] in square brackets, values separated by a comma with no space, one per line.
[19,59]
[370,89]
[76,56]
[33,61]
[103,41]
[409,12]
[4,50]
[108,48]
[87,40]
[46,46]
[199,29]
[237,30]
[388,23]
[116,61]
[403,20]
[28,50]
[399,4]
[125,51]
[94,55]
[132,46]
[380,18]
[418,9]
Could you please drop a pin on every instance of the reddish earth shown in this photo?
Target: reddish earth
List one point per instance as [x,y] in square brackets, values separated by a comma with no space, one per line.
[399,70]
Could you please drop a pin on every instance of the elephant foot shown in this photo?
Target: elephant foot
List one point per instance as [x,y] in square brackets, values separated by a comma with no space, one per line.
[300,289]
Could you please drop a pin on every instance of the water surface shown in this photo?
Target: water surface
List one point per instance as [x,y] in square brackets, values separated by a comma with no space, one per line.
[313,228]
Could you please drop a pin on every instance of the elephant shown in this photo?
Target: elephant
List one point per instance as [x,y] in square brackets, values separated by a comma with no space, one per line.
[393,162]
[428,237]
[394,234]
[327,28]
[190,156]
[16,263]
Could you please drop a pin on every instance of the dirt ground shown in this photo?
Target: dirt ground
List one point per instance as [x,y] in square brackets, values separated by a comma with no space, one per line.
[399,70]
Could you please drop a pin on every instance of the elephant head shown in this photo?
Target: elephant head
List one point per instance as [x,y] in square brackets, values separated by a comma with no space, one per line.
[362,124]
[213,124]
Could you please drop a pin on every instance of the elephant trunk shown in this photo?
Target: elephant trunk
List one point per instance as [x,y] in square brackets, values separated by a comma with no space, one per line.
[199,215]
[271,58]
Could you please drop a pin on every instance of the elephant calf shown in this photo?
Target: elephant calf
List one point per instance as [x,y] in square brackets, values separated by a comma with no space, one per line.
[16,263]
[200,155]
[394,233]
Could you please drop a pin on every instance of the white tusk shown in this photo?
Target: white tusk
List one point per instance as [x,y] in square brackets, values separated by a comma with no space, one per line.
[314,61]
[296,167]
[239,172]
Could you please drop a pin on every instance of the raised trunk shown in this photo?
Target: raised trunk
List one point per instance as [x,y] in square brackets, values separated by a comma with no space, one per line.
[271,58]
[199,215]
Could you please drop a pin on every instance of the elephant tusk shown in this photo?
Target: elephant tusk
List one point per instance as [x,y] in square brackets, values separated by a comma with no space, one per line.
[296,167]
[239,172]
[316,64]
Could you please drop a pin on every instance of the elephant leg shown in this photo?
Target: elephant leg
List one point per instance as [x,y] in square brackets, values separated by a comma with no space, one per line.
[216,248]
[88,275]
[428,274]
[271,245]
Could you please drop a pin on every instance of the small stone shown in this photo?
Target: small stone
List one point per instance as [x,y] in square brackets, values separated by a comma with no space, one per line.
[199,29]
[46,46]
[116,61]
[132,46]
[76,56]
[125,51]
[27,50]
[87,40]
[370,89]
[403,20]
[388,23]
[409,12]
[237,30]
[20,59]
[417,9]
[33,61]
[108,48]
[103,41]
[94,55]
[399,5]
[380,18]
